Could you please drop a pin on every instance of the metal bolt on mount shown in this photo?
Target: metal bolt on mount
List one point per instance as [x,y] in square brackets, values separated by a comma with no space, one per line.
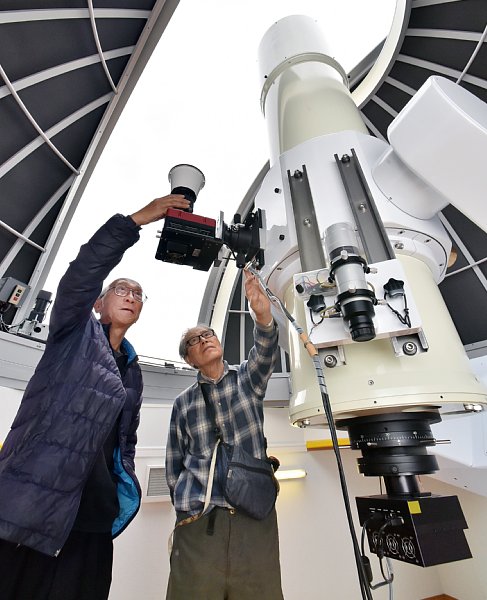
[298,174]
[330,361]
[409,348]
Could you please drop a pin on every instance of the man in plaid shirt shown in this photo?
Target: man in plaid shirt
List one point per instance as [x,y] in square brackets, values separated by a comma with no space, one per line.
[224,555]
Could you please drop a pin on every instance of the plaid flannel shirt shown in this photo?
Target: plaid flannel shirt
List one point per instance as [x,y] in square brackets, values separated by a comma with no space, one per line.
[237,398]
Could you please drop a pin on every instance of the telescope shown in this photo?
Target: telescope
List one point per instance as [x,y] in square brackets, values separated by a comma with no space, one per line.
[355,250]
[359,266]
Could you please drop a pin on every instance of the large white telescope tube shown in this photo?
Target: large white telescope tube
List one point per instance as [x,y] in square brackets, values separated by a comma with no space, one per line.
[304,91]
[311,118]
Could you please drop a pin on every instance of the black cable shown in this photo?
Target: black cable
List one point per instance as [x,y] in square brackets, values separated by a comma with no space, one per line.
[373,517]
[363,580]
[406,319]
[4,308]
[313,321]
[362,575]
[388,579]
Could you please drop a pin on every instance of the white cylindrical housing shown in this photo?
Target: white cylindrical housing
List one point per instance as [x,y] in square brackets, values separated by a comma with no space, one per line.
[299,77]
[340,242]
[451,123]
[375,380]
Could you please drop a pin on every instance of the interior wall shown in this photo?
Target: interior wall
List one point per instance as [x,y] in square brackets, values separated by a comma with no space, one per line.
[316,552]
[466,579]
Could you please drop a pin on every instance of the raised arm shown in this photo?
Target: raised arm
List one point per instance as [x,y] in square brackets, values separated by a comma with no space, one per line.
[82,283]
[258,300]
[264,353]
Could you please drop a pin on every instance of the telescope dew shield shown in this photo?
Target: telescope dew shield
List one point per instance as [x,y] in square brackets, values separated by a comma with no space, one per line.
[187,180]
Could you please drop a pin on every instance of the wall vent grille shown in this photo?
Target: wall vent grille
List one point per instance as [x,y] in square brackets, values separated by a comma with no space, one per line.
[156,488]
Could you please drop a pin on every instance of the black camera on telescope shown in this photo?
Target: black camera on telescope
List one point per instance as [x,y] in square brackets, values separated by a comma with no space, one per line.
[193,240]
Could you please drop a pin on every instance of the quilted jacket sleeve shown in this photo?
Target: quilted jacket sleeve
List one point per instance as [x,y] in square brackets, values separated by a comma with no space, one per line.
[82,283]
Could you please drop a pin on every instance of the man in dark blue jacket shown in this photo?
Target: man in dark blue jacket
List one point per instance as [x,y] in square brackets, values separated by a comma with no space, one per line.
[67,478]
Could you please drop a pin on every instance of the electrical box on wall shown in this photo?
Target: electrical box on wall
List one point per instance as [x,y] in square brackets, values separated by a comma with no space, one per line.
[12,292]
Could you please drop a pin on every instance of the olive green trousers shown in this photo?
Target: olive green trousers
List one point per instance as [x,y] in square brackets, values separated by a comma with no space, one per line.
[226,555]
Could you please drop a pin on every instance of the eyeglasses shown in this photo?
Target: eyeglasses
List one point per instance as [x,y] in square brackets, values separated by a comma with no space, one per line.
[122,290]
[202,336]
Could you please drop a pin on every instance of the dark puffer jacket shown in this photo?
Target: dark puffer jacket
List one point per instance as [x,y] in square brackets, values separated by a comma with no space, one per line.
[70,406]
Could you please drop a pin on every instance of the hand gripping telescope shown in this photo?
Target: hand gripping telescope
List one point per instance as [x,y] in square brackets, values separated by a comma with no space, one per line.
[194,240]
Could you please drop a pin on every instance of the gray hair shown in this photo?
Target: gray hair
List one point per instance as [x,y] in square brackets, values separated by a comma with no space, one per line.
[115,282]
[188,333]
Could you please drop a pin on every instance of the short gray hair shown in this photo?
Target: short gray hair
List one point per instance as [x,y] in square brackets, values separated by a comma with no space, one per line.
[188,333]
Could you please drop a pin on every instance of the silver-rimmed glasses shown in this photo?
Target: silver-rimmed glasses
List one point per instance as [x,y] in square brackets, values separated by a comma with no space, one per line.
[123,290]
